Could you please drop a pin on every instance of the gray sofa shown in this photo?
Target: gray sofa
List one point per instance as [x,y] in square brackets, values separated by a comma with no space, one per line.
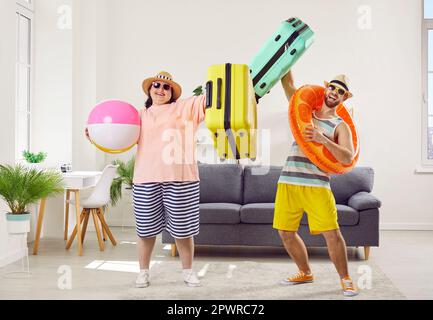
[237,208]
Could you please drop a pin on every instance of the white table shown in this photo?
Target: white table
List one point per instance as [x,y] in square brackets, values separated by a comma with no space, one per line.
[75,181]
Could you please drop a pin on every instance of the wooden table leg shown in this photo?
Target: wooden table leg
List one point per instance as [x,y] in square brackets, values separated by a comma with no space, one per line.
[68,197]
[39,225]
[74,232]
[77,213]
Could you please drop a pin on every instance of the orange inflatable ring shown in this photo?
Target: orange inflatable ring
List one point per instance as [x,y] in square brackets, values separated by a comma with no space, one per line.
[302,104]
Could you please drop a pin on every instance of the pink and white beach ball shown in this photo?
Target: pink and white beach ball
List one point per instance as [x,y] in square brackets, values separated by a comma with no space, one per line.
[114,126]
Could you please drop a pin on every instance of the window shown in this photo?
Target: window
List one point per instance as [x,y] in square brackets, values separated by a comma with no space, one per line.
[24,17]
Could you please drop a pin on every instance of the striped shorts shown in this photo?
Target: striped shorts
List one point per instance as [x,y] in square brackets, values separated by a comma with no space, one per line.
[170,206]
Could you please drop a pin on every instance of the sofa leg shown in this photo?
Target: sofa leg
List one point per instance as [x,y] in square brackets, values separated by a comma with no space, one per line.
[366,253]
[173,250]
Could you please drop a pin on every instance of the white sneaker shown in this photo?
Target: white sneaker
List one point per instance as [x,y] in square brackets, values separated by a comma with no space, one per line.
[142,279]
[190,278]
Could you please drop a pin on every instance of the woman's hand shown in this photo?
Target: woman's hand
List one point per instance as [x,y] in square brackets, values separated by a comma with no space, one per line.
[86,133]
[311,134]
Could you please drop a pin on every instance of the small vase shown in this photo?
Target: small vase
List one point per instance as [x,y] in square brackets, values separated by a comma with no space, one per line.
[18,223]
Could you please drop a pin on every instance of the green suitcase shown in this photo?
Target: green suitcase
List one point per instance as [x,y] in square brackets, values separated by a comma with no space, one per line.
[279,54]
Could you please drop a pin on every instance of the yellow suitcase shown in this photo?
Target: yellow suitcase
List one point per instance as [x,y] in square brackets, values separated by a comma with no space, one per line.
[231,111]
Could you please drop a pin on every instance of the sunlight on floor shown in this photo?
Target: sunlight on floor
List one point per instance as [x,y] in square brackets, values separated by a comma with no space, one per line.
[128,242]
[231,268]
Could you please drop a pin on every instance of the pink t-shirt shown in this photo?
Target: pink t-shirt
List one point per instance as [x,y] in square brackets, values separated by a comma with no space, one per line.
[167,144]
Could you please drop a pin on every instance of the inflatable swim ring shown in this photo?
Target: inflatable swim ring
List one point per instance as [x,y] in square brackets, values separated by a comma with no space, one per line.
[307,99]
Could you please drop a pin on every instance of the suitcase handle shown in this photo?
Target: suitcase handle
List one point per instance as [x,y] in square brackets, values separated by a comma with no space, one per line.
[219,92]
[209,87]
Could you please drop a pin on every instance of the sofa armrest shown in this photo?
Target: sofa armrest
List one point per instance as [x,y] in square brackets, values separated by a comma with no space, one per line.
[364,201]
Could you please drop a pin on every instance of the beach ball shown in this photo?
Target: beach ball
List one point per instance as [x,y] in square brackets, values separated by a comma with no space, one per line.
[114,126]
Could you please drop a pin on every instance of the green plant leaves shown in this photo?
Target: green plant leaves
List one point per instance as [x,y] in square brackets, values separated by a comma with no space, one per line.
[125,173]
[198,91]
[21,186]
[34,158]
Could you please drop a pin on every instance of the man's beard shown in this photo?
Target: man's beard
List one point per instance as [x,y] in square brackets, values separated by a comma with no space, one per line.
[331,104]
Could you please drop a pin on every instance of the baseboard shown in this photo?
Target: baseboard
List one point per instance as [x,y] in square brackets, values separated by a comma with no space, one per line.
[383,226]
[118,223]
[407,226]
[12,257]
[115,223]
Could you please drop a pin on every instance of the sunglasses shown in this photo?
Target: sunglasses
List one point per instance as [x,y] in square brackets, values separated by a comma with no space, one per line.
[158,85]
[340,91]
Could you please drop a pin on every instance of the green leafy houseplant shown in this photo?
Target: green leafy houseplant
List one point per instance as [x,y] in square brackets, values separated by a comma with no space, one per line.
[21,186]
[125,173]
[33,157]
[198,91]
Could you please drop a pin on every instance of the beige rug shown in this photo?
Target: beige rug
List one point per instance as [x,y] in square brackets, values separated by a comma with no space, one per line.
[252,280]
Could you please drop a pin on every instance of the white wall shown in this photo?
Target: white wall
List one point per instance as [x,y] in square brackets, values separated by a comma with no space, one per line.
[185,37]
[52,108]
[118,43]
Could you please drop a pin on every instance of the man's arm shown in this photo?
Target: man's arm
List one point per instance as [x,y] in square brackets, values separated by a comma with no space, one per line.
[343,151]
[288,85]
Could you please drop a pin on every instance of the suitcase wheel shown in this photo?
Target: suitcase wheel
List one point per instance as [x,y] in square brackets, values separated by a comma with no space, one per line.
[253,159]
[241,134]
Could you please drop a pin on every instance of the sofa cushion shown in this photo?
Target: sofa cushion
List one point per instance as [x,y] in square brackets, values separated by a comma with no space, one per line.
[221,183]
[260,184]
[259,213]
[220,213]
[364,201]
[263,213]
[347,216]
[346,185]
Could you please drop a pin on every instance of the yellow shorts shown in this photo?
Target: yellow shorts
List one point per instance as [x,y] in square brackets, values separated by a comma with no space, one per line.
[292,201]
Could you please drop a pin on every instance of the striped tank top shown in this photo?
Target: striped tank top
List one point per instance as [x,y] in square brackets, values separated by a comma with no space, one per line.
[299,170]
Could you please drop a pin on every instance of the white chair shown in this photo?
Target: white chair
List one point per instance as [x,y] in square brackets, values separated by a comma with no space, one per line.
[93,205]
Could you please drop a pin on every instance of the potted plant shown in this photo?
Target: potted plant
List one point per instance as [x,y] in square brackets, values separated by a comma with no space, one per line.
[21,186]
[34,159]
[125,172]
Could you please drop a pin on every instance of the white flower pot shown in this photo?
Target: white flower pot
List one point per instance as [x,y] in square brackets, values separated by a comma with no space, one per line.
[35,166]
[18,223]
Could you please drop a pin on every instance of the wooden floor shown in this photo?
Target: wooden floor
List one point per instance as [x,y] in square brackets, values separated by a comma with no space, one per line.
[406,257]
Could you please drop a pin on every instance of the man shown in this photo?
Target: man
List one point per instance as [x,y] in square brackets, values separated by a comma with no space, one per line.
[304,187]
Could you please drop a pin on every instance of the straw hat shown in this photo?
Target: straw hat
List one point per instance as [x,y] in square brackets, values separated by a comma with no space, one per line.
[340,81]
[164,77]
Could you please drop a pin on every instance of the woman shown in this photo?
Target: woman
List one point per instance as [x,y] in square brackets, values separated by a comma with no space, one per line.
[166,188]
[166,182]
